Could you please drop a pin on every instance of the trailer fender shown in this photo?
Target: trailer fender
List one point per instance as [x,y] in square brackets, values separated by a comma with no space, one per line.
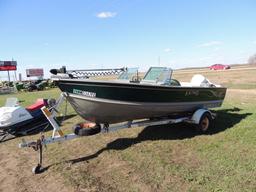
[198,114]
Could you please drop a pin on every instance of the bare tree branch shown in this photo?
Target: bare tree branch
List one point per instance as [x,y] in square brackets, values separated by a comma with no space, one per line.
[252,59]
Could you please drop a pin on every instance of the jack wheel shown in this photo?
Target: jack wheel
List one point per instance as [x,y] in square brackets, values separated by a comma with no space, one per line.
[37,169]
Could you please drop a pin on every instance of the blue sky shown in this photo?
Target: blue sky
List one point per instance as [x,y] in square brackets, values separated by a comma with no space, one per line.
[115,33]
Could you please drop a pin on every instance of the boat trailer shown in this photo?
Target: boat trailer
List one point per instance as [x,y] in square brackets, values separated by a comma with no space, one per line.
[202,118]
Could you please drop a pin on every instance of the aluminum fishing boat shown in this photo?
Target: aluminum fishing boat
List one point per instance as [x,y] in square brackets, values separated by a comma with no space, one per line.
[129,97]
[157,99]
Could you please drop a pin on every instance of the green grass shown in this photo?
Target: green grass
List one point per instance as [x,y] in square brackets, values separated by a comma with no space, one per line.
[28,98]
[161,158]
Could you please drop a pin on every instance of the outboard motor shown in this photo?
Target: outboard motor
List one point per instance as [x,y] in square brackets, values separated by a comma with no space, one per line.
[200,81]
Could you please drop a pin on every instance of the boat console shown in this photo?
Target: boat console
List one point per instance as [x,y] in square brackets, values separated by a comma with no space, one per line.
[155,75]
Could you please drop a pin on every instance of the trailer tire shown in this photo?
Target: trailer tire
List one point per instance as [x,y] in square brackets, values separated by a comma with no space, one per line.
[205,123]
[82,130]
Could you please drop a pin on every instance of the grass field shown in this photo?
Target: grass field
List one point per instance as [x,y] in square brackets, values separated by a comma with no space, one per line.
[159,158]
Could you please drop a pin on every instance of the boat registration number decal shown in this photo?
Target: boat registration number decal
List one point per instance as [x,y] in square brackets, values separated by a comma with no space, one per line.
[85,93]
[194,92]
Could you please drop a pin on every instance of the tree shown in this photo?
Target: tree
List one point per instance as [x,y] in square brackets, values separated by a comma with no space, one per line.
[252,59]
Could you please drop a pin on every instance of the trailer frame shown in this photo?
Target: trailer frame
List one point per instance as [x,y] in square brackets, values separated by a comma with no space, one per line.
[59,136]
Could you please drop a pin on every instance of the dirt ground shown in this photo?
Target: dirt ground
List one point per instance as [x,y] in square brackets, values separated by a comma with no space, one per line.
[16,164]
[16,174]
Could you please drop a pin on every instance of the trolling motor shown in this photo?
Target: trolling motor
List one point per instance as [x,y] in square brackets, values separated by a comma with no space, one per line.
[56,71]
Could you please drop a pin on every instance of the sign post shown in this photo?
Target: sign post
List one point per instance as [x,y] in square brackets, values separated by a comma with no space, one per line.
[9,79]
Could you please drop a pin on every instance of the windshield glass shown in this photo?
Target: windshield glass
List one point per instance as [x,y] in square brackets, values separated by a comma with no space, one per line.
[128,74]
[158,74]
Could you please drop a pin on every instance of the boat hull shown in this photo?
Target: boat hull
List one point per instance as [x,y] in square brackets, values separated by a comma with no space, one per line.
[112,102]
[109,111]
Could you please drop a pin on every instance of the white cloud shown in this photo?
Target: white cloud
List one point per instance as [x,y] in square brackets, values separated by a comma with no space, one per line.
[167,50]
[104,15]
[254,42]
[210,43]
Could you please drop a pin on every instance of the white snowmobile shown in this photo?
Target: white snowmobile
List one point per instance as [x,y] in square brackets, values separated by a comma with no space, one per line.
[17,120]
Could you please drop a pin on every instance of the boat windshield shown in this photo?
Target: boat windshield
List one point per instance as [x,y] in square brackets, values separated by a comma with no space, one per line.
[158,74]
[128,74]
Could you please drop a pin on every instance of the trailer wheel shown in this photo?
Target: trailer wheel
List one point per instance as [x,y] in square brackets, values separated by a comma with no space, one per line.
[205,123]
[86,129]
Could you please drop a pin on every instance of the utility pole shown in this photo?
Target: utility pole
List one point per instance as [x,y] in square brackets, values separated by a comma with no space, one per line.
[9,77]
[15,75]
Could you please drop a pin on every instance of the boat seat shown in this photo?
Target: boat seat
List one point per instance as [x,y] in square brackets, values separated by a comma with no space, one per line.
[37,105]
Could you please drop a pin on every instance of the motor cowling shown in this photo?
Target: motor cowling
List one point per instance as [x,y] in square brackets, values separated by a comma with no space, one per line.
[200,81]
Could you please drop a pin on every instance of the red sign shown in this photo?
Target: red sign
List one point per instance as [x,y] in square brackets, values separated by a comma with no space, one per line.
[35,72]
[8,65]
[8,68]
